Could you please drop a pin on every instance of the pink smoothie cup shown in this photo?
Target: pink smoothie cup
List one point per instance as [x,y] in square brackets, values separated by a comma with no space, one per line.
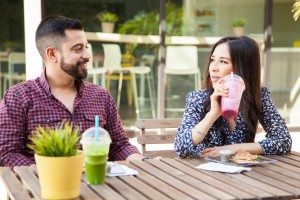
[230,105]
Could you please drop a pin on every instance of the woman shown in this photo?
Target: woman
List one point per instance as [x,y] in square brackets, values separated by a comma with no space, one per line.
[205,132]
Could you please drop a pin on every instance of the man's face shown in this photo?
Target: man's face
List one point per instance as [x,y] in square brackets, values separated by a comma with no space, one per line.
[74,55]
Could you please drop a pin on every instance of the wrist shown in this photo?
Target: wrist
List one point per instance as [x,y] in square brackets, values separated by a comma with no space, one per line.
[212,116]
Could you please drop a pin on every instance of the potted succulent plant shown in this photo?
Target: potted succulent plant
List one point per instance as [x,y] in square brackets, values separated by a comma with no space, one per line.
[58,160]
[238,26]
[108,20]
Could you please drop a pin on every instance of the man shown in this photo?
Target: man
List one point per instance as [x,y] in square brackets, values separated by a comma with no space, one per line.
[58,94]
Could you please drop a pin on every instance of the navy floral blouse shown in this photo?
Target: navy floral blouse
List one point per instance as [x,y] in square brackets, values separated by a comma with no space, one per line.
[277,139]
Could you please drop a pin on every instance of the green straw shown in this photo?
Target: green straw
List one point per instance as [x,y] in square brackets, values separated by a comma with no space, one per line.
[97,119]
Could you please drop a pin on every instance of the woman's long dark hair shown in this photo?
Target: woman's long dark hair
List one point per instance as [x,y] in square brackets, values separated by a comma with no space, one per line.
[245,57]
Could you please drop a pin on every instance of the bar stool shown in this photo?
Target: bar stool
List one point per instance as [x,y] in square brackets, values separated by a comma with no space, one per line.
[112,63]
[14,60]
[93,71]
[182,60]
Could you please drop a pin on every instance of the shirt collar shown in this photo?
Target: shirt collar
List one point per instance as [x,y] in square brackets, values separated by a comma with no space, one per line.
[45,85]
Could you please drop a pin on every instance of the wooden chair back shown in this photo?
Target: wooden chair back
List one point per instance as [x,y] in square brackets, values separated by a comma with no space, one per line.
[157,131]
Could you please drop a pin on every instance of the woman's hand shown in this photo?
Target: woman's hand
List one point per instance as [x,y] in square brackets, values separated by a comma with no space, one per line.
[219,91]
[214,151]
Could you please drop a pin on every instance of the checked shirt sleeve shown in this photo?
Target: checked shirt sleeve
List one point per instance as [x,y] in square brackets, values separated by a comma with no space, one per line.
[120,148]
[13,129]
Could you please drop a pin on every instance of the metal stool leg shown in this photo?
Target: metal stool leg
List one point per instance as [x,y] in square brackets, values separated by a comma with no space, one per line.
[137,109]
[119,89]
[151,96]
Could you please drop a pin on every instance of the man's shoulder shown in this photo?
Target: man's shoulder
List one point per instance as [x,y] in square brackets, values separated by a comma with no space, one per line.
[23,87]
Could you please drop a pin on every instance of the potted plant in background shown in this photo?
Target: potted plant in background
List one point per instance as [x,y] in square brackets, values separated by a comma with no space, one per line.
[58,160]
[238,26]
[108,20]
[296,10]
[10,46]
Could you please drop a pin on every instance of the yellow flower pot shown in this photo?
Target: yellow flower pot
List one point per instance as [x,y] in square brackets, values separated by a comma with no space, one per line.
[60,177]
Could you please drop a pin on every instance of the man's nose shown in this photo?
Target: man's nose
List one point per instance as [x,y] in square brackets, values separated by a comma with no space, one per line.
[86,54]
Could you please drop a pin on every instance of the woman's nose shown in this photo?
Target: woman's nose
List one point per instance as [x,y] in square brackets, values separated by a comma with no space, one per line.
[215,66]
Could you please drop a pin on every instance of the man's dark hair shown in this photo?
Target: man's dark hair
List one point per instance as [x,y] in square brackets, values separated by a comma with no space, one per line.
[51,31]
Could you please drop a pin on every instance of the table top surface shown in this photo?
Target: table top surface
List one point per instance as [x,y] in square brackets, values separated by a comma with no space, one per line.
[176,178]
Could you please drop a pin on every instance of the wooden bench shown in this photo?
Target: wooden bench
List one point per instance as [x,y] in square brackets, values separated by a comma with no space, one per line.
[157,131]
[163,131]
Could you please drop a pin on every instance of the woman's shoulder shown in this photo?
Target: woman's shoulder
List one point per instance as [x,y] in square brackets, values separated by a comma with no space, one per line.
[198,95]
[264,92]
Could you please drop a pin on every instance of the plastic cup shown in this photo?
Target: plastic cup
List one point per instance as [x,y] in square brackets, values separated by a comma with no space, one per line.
[230,105]
[95,154]
[225,155]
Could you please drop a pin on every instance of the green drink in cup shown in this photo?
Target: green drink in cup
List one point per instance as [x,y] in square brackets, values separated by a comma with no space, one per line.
[95,149]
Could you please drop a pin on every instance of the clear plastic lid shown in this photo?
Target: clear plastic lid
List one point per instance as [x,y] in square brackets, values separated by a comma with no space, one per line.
[89,135]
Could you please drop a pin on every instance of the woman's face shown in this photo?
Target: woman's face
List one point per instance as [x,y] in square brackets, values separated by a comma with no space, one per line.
[220,63]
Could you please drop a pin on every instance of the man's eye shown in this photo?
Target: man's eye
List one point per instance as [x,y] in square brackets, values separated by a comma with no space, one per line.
[78,49]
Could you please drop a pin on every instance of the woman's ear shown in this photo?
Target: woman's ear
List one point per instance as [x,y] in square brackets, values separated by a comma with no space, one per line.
[51,54]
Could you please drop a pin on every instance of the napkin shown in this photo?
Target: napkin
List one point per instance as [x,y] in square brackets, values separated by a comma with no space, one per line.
[218,167]
[115,169]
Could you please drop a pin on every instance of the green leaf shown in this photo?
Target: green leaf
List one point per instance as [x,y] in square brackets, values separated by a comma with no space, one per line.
[61,141]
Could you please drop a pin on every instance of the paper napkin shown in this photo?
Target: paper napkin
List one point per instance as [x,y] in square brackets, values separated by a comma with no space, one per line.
[114,169]
[218,167]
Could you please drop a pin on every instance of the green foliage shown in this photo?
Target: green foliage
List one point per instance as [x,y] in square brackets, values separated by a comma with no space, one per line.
[147,23]
[10,44]
[296,9]
[107,17]
[58,142]
[238,22]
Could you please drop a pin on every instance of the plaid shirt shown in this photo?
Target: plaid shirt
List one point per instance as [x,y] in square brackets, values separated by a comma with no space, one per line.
[29,104]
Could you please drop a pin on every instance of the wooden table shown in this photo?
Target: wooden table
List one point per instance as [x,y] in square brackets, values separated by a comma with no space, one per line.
[176,179]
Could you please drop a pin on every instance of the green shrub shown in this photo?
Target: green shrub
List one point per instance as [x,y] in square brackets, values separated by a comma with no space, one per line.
[107,17]
[61,141]
[238,22]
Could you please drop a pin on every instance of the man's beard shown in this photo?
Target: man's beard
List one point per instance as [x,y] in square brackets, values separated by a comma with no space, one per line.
[75,70]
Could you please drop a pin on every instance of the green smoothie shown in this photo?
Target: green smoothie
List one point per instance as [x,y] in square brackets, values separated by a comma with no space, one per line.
[95,163]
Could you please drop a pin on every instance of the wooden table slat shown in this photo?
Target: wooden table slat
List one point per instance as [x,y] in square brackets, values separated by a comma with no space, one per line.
[276,183]
[283,171]
[266,187]
[104,191]
[291,181]
[143,188]
[201,182]
[87,193]
[30,180]
[13,185]
[159,185]
[293,157]
[288,161]
[178,184]
[257,192]
[124,189]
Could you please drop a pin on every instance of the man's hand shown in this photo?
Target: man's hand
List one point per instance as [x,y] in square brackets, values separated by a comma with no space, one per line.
[135,156]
